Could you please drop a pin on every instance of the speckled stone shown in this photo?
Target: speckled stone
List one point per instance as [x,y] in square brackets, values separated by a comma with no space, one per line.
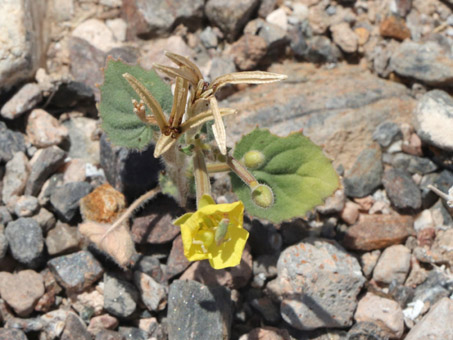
[402,190]
[120,296]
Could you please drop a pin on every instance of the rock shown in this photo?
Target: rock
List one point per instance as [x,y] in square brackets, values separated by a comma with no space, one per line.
[188,315]
[16,175]
[209,38]
[266,7]
[386,133]
[413,164]
[318,19]
[81,134]
[230,16]
[109,335]
[118,27]
[5,216]
[100,322]
[350,213]
[54,322]
[154,223]
[103,204]
[150,265]
[366,331]
[130,172]
[394,264]
[65,199]
[268,310]
[77,271]
[334,111]
[26,206]
[3,244]
[443,246]
[378,232]
[150,19]
[233,278]
[120,296]
[264,238]
[62,239]
[10,143]
[44,130]
[25,99]
[24,41]
[436,324]
[97,33]
[248,51]
[403,7]
[394,27]
[12,334]
[344,37]
[133,333]
[363,34]
[268,333]
[311,270]
[278,18]
[75,329]
[365,175]
[26,242]
[427,63]
[381,311]
[153,294]
[43,164]
[22,290]
[368,261]
[333,204]
[72,93]
[75,170]
[45,219]
[434,119]
[176,262]
[401,190]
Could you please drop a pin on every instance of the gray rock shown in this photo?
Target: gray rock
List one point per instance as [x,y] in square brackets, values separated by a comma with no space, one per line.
[426,62]
[413,164]
[230,16]
[12,334]
[76,272]
[308,273]
[436,324]
[153,294]
[45,219]
[365,175]
[264,239]
[26,206]
[10,143]
[62,239]
[209,38]
[5,216]
[148,19]
[43,164]
[265,265]
[401,190]
[26,242]
[106,334]
[81,132]
[150,265]
[434,119]
[386,133]
[436,286]
[24,100]
[120,296]
[133,333]
[192,306]
[267,309]
[366,331]
[16,176]
[24,40]
[65,199]
[3,243]
[75,329]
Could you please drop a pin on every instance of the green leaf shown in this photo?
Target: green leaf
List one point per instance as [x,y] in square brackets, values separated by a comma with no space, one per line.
[296,170]
[120,123]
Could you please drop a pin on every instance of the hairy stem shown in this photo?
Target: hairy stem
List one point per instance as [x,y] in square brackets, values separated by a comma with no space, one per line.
[217,167]
[202,184]
[242,172]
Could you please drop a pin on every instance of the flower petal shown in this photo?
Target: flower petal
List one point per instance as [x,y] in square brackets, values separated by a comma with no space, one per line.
[229,253]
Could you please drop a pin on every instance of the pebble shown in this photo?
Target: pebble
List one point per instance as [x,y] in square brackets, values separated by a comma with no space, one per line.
[425,62]
[16,174]
[26,206]
[386,133]
[100,322]
[133,333]
[368,261]
[44,163]
[150,265]
[109,335]
[394,27]
[413,164]
[311,270]
[75,329]
[442,247]
[248,51]
[62,239]
[97,33]
[118,27]
[5,216]
[393,264]
[209,38]
[278,18]
[153,294]
[54,322]
[176,262]
[318,19]
[403,193]
[264,238]
[350,213]
[344,37]
[65,199]
[81,131]
[26,241]
[12,334]
[77,271]
[436,324]
[333,204]
[434,119]
[120,296]
[45,219]
[44,130]
[366,331]
[3,243]
[378,232]
[423,220]
[230,16]
[21,290]
[10,143]
[75,170]
[381,311]
[266,333]
[269,311]
[23,100]
[365,175]
[188,315]
[103,204]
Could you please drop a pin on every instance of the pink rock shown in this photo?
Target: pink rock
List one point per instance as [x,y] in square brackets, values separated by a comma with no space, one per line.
[25,99]
[44,130]
[266,333]
[21,291]
[104,321]
[345,37]
[350,213]
[385,312]
[74,171]
[394,264]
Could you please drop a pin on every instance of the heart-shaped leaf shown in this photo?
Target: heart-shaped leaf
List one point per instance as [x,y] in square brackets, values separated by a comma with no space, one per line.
[120,123]
[296,170]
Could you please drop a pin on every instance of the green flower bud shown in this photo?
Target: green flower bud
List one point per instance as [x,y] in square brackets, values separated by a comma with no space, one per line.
[263,196]
[253,159]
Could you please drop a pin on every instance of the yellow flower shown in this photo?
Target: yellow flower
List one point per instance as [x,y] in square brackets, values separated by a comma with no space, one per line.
[214,232]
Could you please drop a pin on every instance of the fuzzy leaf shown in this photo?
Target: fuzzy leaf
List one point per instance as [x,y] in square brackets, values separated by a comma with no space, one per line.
[119,121]
[296,170]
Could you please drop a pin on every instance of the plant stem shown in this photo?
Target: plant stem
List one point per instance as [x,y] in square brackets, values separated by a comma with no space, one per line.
[202,183]
[217,167]
[242,172]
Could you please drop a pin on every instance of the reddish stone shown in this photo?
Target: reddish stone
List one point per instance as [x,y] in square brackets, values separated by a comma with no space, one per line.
[394,27]
[177,261]
[378,231]
[248,51]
